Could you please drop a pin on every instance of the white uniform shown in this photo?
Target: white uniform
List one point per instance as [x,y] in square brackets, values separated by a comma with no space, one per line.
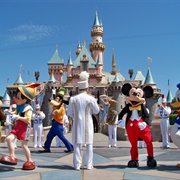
[59,142]
[81,107]
[164,124]
[112,133]
[38,128]
[9,125]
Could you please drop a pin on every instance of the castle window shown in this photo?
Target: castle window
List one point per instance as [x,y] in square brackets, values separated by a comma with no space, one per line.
[84,66]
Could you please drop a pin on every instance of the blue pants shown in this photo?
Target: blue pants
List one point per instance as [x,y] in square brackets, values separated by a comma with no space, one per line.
[57,130]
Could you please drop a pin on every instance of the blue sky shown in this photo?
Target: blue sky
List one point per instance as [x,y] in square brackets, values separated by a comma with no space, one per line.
[136,29]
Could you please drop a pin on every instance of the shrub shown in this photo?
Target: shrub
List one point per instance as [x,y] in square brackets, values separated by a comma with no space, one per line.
[172,118]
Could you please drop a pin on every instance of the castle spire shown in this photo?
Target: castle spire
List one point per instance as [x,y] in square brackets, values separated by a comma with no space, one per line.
[113,64]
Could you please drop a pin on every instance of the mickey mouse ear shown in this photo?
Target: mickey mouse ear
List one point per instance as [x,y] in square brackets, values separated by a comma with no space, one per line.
[126,88]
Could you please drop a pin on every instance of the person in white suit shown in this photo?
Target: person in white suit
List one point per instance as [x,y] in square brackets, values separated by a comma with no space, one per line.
[38,126]
[81,108]
[164,111]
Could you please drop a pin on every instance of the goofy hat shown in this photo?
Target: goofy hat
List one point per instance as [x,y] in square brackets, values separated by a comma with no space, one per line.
[29,91]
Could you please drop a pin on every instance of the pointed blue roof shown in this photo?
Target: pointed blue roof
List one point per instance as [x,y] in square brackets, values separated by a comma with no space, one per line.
[52,78]
[6,96]
[69,60]
[116,78]
[96,20]
[19,80]
[149,78]
[99,61]
[109,77]
[55,58]
[84,51]
[139,76]
[6,100]
[169,96]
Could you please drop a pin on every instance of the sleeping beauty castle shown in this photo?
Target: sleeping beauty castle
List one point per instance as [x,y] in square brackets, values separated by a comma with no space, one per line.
[91,59]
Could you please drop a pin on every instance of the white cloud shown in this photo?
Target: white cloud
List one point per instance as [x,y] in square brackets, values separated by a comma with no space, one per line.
[30,32]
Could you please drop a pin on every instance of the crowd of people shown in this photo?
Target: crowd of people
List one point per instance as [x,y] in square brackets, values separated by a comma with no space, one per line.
[20,118]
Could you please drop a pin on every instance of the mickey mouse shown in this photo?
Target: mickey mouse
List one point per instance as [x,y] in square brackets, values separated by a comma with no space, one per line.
[137,122]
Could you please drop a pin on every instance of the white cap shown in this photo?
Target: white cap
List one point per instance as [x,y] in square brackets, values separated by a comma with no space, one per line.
[83,83]
[37,106]
[14,106]
[164,100]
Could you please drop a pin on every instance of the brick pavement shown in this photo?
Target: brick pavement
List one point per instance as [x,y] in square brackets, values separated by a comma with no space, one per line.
[109,163]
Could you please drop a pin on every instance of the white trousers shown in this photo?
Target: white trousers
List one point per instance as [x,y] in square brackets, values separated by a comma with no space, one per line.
[112,133]
[38,129]
[88,156]
[164,124]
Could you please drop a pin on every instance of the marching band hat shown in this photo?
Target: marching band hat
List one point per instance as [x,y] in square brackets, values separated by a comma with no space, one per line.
[163,99]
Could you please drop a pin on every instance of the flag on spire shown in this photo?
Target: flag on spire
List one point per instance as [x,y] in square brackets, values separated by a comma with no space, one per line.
[149,59]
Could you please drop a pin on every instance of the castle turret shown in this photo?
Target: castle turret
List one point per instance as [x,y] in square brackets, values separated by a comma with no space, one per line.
[56,66]
[97,47]
[69,67]
[99,67]
[79,48]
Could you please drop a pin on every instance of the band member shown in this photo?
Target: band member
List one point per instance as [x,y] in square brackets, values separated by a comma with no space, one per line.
[38,125]
[164,111]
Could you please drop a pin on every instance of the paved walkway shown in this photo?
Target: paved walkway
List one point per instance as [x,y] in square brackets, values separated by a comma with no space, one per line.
[109,163]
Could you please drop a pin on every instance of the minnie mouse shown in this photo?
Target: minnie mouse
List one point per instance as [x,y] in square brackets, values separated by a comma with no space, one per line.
[137,122]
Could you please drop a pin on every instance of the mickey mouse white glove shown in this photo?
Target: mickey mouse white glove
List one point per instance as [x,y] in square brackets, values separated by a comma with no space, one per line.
[142,125]
[121,123]
[15,116]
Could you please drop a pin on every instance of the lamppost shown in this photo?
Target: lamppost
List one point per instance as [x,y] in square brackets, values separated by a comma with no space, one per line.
[37,74]
[130,72]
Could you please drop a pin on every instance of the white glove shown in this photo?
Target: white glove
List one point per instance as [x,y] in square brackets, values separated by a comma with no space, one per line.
[142,125]
[15,117]
[121,123]
[7,112]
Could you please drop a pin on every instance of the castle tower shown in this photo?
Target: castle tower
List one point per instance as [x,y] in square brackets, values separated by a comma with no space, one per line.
[99,67]
[151,103]
[69,67]
[56,66]
[97,47]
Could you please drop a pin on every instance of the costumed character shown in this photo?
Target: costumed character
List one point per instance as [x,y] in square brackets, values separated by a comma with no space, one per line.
[137,122]
[10,121]
[111,118]
[164,111]
[175,130]
[81,108]
[2,118]
[57,124]
[59,143]
[38,125]
[22,128]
